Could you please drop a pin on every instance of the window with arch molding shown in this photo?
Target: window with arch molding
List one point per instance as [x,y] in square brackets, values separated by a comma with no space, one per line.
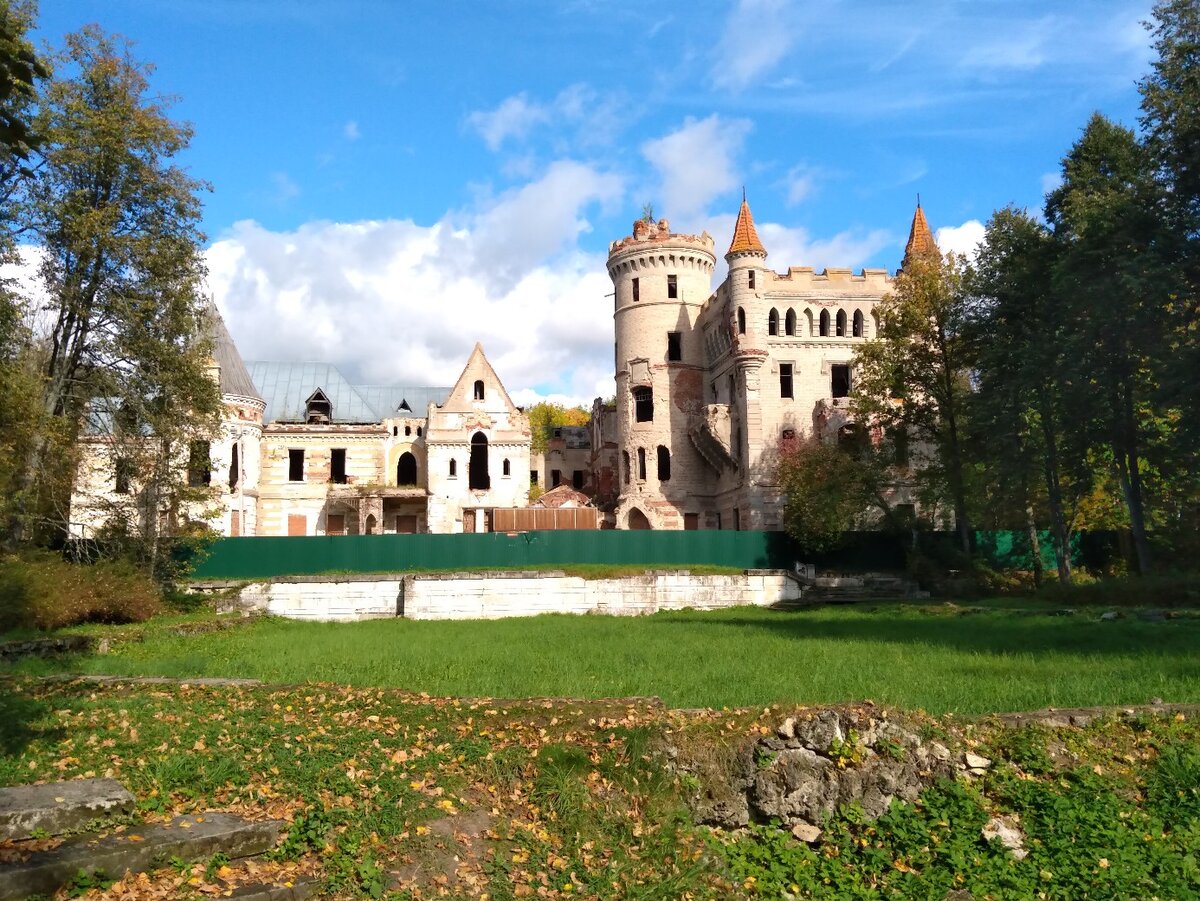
[479,389]
[841,324]
[858,324]
[824,327]
[507,468]
[789,323]
[741,319]
[773,322]
[453,469]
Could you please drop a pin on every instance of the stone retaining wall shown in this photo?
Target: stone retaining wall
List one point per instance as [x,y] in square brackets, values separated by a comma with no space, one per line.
[495,595]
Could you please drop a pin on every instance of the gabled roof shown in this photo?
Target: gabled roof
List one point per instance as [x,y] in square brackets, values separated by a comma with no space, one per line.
[920,238]
[745,235]
[234,377]
[286,388]
[562,496]
[461,396]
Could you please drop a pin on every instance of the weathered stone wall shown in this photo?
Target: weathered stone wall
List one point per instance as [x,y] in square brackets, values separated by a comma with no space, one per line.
[497,595]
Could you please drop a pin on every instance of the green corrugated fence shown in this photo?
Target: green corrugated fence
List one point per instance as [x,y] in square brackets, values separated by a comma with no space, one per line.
[261,558]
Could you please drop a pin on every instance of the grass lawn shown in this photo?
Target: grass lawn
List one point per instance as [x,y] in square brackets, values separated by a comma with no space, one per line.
[999,656]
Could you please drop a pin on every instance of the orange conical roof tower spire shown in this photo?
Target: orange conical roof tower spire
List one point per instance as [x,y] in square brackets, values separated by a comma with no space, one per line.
[745,236]
[920,237]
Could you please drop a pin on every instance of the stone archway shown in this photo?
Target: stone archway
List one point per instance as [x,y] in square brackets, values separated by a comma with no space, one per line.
[406,469]
[637,519]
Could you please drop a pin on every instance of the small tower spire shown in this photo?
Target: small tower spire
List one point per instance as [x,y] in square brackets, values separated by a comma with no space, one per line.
[745,236]
[920,237]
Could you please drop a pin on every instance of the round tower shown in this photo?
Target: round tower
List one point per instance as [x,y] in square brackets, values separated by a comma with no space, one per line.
[660,282]
[747,259]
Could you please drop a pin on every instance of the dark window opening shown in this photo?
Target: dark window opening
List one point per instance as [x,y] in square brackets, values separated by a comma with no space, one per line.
[785,380]
[506,468]
[642,463]
[900,442]
[533,477]
[750,279]
[824,328]
[235,468]
[395,431]
[789,323]
[404,406]
[477,470]
[858,324]
[643,403]
[123,475]
[691,522]
[555,478]
[199,464]
[664,464]
[737,519]
[479,389]
[418,431]
[337,466]
[674,347]
[335,524]
[741,321]
[406,469]
[773,322]
[454,469]
[840,379]
[407,431]
[318,409]
[672,287]
[841,323]
[577,479]
[788,440]
[625,466]
[296,464]
[637,291]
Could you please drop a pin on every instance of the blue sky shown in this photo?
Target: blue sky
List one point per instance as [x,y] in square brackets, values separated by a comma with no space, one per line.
[394,181]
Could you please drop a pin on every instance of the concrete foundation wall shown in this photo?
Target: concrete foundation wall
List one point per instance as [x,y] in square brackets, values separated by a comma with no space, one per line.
[496,595]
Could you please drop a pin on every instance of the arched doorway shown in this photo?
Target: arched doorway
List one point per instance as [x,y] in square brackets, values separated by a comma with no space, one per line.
[406,469]
[371,523]
[637,519]
[477,471]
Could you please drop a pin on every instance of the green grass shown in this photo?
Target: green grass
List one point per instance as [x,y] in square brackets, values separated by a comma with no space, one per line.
[992,657]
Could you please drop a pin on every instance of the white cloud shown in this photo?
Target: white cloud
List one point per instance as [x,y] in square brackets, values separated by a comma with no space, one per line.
[577,114]
[396,302]
[284,189]
[755,37]
[962,240]
[1051,181]
[695,164]
[351,131]
[513,118]
[799,184]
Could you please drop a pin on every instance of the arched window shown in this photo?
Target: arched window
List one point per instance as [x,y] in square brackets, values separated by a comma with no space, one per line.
[479,389]
[789,323]
[418,431]
[824,323]
[664,464]
[453,469]
[858,324]
[507,468]
[642,463]
[406,469]
[407,431]
[741,321]
[477,469]
[841,324]
[773,322]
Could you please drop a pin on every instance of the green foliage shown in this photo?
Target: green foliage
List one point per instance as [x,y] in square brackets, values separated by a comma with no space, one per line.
[1173,786]
[545,416]
[825,490]
[87,880]
[43,591]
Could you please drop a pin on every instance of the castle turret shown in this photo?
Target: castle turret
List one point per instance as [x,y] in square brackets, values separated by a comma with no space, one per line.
[921,244]
[661,280]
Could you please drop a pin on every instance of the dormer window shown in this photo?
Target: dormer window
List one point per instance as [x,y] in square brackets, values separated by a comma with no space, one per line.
[479,389]
[317,409]
[404,406]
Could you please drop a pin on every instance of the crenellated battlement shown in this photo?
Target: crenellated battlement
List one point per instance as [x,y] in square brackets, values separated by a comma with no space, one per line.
[804,276]
[654,243]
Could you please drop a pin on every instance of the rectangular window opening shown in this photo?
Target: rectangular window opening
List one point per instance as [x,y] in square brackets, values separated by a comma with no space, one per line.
[555,478]
[750,280]
[840,379]
[785,380]
[637,291]
[577,479]
[533,477]
[674,347]
[672,287]
[335,524]
[296,464]
[199,464]
[337,466]
[643,400]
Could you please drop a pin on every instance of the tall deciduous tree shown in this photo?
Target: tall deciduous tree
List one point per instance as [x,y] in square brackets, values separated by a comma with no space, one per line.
[1110,276]
[117,221]
[913,376]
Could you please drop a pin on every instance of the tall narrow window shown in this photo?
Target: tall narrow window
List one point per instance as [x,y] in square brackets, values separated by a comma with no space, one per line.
[643,404]
[900,443]
[235,467]
[741,321]
[477,474]
[824,324]
[577,479]
[199,464]
[773,322]
[841,324]
[555,478]
[453,469]
[642,463]
[506,469]
[664,464]
[672,287]
[406,469]
[123,475]
[337,466]
[858,324]
[533,477]
[789,323]
[839,381]
[750,280]
[674,347]
[479,389]
[785,380]
[625,466]
[296,464]
[637,291]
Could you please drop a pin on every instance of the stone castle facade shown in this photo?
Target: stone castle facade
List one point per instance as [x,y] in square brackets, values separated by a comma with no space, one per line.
[709,385]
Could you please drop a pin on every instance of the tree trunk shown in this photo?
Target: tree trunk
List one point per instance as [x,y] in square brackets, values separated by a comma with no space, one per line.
[1035,546]
[1058,518]
[1129,473]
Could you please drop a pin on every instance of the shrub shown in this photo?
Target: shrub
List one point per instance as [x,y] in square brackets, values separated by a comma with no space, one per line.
[46,592]
[1162,590]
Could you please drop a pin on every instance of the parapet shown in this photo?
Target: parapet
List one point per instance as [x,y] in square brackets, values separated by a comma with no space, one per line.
[803,276]
[647,234]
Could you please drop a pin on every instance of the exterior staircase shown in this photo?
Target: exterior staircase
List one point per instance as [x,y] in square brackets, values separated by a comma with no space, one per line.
[850,589]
